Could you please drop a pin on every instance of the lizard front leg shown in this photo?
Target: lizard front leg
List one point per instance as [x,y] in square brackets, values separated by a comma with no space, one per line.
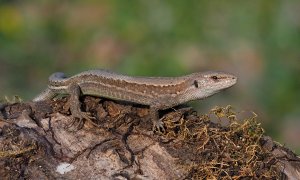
[75,106]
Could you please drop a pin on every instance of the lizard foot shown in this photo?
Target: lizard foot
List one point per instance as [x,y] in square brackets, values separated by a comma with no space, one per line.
[78,121]
[158,126]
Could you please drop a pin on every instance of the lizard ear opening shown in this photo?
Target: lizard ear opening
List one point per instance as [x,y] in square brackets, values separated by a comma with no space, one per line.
[196,84]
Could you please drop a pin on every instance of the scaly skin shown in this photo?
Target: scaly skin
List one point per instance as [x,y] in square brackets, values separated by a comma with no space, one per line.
[158,93]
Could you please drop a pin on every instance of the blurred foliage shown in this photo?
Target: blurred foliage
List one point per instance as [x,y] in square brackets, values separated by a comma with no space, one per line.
[259,41]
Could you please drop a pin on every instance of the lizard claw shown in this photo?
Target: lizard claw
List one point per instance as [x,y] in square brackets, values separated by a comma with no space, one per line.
[77,114]
[158,126]
[78,120]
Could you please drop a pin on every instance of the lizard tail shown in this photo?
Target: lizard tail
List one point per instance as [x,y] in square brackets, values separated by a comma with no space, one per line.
[46,94]
[54,80]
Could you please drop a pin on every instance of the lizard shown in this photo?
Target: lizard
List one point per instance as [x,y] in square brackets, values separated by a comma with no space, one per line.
[159,93]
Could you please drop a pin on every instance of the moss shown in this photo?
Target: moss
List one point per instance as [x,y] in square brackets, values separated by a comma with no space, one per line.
[229,148]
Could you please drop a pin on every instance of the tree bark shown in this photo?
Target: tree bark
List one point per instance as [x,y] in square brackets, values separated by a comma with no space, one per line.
[42,141]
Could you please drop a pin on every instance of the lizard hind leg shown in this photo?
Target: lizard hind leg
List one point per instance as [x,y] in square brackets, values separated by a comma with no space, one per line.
[75,108]
[158,125]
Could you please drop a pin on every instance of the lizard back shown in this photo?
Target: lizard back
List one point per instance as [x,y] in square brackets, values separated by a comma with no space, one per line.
[142,90]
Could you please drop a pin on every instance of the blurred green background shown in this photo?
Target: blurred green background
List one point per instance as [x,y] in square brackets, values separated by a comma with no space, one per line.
[259,41]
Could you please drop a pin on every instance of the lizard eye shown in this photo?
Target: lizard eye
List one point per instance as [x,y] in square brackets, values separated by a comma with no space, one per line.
[196,84]
[214,77]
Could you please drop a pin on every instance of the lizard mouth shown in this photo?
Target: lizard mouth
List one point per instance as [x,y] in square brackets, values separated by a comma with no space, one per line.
[231,81]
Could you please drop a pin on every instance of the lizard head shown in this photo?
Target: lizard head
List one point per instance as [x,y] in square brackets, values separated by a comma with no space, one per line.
[209,83]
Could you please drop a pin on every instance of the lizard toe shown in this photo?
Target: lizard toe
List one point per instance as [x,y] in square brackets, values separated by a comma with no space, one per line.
[78,120]
[158,126]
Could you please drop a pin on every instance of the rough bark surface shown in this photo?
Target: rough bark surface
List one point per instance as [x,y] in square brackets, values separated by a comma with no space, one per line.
[43,141]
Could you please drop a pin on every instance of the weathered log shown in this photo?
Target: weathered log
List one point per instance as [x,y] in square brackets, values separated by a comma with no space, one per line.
[42,141]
